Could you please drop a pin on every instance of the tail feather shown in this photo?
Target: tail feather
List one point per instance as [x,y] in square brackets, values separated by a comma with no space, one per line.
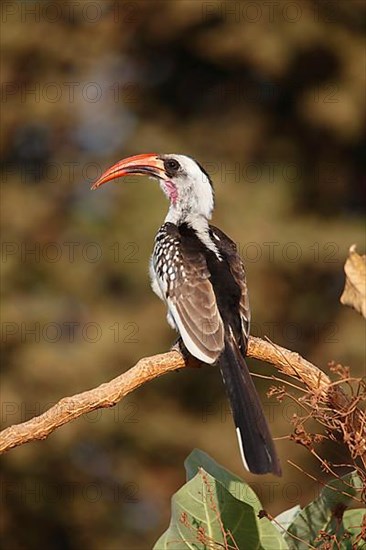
[255,441]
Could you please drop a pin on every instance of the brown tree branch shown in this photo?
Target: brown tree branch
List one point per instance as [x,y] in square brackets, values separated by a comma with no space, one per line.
[149,368]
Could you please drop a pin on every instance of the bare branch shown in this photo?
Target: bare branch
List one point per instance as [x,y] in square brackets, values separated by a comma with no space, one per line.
[149,368]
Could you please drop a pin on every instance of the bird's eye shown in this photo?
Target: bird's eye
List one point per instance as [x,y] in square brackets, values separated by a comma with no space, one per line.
[171,166]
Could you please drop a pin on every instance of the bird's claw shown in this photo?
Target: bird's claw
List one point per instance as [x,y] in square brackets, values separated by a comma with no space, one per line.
[188,358]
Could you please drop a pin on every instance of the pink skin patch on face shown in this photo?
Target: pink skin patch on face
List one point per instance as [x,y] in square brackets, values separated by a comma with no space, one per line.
[171,191]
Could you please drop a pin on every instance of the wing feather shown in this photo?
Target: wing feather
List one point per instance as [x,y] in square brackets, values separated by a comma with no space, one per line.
[191,299]
[238,272]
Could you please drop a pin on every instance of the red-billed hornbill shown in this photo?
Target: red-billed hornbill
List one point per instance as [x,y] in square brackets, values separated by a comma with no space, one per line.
[196,270]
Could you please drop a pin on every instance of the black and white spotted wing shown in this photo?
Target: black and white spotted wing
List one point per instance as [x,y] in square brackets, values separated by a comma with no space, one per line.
[182,279]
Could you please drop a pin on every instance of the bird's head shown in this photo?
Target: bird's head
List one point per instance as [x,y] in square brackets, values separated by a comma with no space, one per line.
[185,183]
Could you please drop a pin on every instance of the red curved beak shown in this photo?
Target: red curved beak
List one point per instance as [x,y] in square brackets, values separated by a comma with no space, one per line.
[144,165]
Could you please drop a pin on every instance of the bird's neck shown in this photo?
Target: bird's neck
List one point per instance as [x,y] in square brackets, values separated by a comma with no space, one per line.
[180,215]
[198,222]
[192,204]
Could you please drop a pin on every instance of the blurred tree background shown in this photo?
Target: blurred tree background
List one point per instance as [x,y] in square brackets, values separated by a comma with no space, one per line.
[269,97]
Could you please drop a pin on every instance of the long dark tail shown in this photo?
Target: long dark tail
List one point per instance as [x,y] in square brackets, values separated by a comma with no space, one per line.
[256,444]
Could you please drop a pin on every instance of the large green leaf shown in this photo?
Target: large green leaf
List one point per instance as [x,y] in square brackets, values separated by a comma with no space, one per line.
[238,489]
[323,514]
[216,502]
[234,484]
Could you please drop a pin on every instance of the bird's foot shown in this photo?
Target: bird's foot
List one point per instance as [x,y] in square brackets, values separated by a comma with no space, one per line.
[188,358]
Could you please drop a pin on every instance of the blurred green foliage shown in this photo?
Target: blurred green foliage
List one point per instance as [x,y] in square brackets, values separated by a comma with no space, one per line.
[269,97]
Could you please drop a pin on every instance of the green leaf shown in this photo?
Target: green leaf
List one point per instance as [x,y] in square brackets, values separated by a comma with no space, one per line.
[236,487]
[286,518]
[352,521]
[324,514]
[218,502]
[341,491]
[234,484]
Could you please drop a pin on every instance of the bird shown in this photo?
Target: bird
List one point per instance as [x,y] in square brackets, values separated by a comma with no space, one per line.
[197,272]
